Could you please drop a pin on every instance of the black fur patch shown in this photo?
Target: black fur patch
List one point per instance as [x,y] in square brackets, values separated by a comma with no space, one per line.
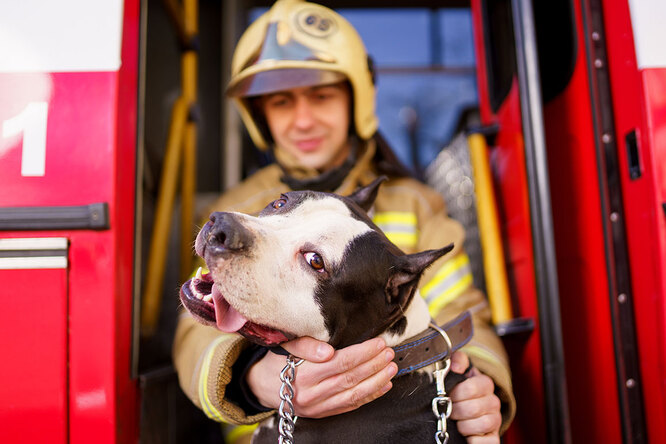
[402,416]
[353,299]
[399,327]
[292,200]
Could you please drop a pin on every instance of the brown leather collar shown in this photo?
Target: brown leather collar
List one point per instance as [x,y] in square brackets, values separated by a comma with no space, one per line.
[429,346]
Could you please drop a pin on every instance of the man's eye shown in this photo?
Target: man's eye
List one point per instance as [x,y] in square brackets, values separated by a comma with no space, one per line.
[279,203]
[277,101]
[315,261]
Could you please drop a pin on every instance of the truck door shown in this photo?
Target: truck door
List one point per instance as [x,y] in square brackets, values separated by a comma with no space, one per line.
[578,194]
[68,82]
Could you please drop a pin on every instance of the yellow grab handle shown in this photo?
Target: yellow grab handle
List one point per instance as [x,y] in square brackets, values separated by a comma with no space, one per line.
[180,156]
[152,293]
[497,286]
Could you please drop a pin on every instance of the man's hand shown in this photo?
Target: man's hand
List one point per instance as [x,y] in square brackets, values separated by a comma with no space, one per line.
[331,381]
[475,406]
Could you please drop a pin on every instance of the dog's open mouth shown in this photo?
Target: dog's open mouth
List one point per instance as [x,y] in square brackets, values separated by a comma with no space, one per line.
[202,298]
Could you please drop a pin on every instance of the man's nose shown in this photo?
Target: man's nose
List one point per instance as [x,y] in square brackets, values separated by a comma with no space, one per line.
[303,117]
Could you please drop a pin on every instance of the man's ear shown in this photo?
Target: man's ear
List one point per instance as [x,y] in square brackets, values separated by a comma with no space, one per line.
[404,279]
[365,197]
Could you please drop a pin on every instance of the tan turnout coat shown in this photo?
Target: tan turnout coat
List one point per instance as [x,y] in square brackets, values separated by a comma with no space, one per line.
[414,217]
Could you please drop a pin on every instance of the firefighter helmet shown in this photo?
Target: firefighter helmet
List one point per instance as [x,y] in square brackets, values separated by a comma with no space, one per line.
[296,44]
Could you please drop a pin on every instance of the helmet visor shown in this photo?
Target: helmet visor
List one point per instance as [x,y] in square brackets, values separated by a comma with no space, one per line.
[280,79]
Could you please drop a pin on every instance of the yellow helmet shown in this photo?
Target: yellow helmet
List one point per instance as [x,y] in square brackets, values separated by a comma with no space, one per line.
[295,44]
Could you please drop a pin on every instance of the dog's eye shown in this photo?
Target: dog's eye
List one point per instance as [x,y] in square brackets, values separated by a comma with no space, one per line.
[314,260]
[279,203]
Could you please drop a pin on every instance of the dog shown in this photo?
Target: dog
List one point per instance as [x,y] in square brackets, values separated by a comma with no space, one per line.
[314,264]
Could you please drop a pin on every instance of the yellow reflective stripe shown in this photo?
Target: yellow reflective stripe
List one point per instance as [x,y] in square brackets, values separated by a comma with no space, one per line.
[402,238]
[483,353]
[449,282]
[399,227]
[395,217]
[238,431]
[211,411]
[436,305]
[456,267]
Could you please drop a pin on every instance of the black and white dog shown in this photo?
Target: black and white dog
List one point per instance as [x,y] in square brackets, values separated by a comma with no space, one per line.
[314,264]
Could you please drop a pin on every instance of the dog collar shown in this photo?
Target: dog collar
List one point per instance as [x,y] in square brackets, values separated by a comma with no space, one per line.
[430,346]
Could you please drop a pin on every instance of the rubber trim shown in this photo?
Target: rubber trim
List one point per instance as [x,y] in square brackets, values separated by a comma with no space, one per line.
[84,217]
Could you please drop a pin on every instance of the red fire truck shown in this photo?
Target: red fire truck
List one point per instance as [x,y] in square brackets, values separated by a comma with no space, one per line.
[108,108]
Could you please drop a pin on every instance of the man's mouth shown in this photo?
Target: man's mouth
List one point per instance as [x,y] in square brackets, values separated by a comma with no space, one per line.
[203,299]
[308,145]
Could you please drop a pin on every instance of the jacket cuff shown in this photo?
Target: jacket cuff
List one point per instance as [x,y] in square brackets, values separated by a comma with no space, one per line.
[215,379]
[238,390]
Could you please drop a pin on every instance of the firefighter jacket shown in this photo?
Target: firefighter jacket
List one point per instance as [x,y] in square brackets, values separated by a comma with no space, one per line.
[413,217]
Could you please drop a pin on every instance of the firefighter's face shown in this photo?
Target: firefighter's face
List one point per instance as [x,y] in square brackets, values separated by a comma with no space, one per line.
[311,123]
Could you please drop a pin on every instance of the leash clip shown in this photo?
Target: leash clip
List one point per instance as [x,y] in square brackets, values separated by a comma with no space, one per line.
[441,400]
[440,374]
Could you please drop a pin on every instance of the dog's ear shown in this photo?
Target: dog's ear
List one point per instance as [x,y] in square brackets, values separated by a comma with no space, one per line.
[365,197]
[404,280]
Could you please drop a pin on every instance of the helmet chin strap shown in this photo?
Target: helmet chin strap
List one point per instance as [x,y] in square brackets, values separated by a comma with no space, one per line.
[328,180]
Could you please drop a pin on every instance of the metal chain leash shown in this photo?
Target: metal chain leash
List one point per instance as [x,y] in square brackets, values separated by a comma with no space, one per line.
[286,409]
[441,403]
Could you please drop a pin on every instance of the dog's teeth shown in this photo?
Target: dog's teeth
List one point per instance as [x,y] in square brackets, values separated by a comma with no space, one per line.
[198,275]
[208,298]
[193,289]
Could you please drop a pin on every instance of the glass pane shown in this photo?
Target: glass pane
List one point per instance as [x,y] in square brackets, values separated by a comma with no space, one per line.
[457,42]
[393,37]
[421,111]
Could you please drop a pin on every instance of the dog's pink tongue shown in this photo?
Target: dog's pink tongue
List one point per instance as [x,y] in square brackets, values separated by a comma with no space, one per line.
[228,319]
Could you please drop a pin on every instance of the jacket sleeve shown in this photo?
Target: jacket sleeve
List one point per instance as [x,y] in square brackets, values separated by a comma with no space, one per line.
[448,288]
[203,358]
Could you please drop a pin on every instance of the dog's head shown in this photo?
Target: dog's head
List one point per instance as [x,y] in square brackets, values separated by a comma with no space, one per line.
[311,264]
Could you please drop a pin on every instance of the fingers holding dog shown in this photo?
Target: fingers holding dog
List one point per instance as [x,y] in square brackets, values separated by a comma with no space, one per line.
[353,364]
[477,408]
[459,362]
[345,400]
[492,438]
[486,427]
[309,349]
[354,376]
[349,378]
[476,386]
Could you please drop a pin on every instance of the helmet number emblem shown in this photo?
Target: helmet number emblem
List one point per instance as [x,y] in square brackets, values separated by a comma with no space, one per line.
[316,24]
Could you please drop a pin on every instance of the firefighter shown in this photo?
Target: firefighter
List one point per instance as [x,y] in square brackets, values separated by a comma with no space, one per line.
[304,87]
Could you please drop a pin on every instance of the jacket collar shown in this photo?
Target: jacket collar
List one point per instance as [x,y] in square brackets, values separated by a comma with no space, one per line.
[356,171]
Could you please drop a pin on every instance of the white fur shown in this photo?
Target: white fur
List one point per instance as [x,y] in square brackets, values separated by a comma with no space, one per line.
[276,262]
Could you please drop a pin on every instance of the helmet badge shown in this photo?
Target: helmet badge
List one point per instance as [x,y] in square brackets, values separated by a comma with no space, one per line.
[316,23]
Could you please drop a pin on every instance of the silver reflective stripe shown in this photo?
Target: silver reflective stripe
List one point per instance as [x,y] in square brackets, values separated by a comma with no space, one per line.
[34,243]
[30,263]
[33,253]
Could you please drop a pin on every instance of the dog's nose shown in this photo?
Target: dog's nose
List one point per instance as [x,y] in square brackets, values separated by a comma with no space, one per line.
[226,234]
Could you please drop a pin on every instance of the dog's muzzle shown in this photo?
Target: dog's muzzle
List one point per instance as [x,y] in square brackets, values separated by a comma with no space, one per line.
[223,237]
[223,234]
[209,306]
